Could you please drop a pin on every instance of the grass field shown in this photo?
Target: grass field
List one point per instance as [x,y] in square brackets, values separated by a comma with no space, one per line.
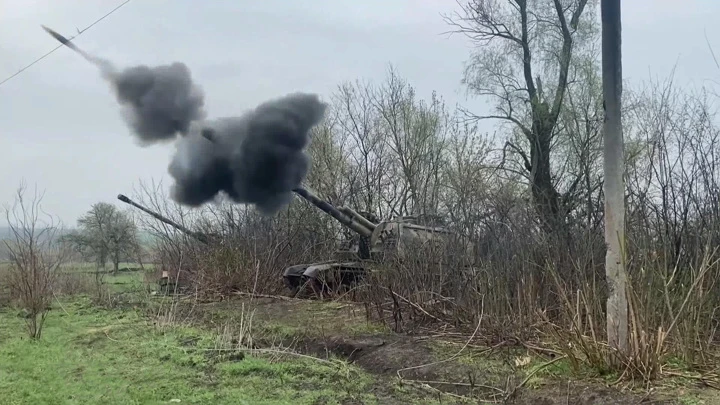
[137,348]
[131,276]
[89,355]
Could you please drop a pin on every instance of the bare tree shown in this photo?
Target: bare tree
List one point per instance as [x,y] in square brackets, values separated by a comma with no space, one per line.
[581,150]
[106,233]
[617,303]
[359,122]
[331,174]
[415,134]
[35,257]
[394,144]
[520,43]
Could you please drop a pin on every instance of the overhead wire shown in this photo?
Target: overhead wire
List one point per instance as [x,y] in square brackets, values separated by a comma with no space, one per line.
[61,45]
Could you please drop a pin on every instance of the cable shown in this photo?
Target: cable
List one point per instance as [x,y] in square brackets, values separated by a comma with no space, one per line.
[30,65]
[61,45]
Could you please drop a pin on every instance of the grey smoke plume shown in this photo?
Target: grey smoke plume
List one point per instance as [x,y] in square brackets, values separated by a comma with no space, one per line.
[257,158]
[158,102]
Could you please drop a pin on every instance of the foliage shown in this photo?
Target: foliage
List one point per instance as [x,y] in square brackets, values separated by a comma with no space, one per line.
[529,58]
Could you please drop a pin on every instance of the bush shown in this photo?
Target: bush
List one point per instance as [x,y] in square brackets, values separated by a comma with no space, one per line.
[35,257]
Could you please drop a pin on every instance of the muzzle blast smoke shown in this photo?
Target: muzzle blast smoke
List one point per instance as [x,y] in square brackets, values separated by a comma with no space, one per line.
[256,158]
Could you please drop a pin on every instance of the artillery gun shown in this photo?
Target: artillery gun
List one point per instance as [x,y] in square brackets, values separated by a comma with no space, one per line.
[167,277]
[375,242]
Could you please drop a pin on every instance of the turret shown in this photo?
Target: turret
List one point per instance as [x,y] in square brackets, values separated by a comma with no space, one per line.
[201,237]
[346,216]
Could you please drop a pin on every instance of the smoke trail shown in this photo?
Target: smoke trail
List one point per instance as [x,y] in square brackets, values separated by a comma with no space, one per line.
[257,158]
[158,103]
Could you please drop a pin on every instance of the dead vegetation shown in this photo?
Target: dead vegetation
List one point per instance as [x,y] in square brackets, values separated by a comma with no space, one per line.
[446,366]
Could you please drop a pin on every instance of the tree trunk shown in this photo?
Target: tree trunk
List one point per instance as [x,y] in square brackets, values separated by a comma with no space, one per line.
[614,187]
[545,195]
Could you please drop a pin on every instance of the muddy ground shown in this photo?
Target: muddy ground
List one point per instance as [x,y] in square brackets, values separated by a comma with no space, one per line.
[429,363]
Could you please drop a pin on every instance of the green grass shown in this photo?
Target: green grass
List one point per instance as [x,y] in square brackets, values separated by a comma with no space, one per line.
[90,267]
[130,278]
[296,319]
[89,355]
[125,281]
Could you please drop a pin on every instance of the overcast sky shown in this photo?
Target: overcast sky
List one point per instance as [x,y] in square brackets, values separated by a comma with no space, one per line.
[60,127]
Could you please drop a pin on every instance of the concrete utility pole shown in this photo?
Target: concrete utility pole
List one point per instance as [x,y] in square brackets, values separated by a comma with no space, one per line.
[614,186]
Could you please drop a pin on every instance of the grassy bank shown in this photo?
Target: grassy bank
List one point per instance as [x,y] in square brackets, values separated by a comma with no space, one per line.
[90,355]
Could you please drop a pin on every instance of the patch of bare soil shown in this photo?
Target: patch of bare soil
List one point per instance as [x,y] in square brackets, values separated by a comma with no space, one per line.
[402,357]
[341,329]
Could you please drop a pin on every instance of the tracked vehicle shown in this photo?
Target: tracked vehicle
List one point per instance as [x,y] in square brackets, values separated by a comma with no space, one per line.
[374,243]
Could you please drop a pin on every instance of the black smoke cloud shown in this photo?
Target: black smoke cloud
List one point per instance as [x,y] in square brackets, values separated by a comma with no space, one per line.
[257,158]
[158,102]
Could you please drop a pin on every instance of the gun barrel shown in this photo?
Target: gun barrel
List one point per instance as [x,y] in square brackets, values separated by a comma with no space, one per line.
[341,217]
[199,236]
[356,215]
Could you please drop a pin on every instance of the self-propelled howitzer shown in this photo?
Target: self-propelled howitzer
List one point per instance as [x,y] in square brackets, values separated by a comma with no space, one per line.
[348,264]
[398,240]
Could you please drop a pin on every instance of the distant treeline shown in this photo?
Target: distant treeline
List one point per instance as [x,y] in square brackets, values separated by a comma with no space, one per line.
[146,239]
